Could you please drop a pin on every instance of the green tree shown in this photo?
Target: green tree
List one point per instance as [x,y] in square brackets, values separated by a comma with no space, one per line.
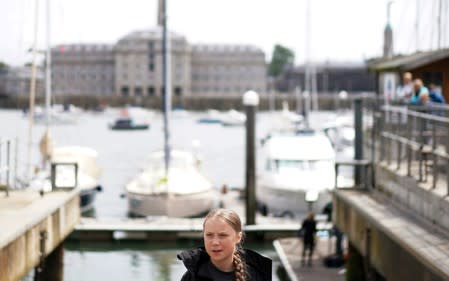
[281,57]
[3,65]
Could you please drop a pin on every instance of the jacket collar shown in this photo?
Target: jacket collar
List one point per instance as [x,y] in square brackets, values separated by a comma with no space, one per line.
[193,258]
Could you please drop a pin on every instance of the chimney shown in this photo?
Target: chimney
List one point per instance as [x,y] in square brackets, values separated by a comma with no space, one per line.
[388,42]
[160,14]
[388,36]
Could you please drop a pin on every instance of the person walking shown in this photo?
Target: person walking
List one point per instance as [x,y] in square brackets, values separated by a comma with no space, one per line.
[222,258]
[308,232]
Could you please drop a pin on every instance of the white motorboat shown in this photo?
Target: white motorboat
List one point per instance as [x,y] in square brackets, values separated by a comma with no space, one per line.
[212,116]
[58,114]
[183,192]
[298,174]
[233,118]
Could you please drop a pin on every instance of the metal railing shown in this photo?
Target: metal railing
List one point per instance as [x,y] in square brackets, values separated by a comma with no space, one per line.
[5,165]
[366,169]
[415,134]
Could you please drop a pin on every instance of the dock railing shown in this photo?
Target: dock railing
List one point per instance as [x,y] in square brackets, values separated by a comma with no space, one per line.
[5,165]
[366,168]
[410,135]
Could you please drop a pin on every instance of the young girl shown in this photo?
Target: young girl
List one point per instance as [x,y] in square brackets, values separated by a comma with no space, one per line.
[222,258]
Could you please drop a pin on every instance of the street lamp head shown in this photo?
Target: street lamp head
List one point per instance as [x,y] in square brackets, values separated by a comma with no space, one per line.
[251,98]
[343,95]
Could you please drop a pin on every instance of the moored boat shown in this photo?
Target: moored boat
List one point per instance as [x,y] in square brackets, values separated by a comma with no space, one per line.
[183,192]
[298,174]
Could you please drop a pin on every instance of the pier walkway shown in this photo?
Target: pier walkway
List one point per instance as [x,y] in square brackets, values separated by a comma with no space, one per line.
[166,228]
[32,226]
[289,251]
[399,222]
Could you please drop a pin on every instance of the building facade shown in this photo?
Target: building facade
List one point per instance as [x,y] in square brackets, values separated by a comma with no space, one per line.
[16,81]
[226,70]
[138,64]
[83,69]
[331,77]
[133,67]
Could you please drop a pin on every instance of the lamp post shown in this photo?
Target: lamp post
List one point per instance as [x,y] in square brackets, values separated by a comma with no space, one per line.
[250,101]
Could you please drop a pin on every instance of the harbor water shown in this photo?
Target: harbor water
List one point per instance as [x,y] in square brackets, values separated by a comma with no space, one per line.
[122,154]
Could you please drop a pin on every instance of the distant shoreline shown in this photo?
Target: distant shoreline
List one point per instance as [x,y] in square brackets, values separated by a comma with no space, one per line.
[195,103]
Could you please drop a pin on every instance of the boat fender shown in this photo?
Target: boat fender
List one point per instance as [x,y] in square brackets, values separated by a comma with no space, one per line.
[123,195]
[99,188]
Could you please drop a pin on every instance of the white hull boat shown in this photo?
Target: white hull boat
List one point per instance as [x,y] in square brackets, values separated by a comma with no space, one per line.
[183,192]
[298,176]
[171,205]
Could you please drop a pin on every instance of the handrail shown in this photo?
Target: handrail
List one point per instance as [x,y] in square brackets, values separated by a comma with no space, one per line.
[421,134]
[364,163]
[5,169]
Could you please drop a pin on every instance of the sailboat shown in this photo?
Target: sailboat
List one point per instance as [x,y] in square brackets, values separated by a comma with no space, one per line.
[85,157]
[172,184]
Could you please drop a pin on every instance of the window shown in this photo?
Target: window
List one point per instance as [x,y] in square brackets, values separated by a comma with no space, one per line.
[178,91]
[125,91]
[151,91]
[138,91]
[151,67]
[433,77]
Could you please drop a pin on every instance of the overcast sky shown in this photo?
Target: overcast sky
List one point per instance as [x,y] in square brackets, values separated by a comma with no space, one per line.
[341,30]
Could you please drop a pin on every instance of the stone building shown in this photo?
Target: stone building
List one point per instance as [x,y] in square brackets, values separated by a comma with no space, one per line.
[16,81]
[138,64]
[133,67]
[227,70]
[83,69]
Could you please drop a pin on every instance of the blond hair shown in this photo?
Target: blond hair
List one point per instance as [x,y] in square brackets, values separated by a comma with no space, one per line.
[233,220]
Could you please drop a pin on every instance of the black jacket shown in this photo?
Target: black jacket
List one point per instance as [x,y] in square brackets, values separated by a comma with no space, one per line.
[259,267]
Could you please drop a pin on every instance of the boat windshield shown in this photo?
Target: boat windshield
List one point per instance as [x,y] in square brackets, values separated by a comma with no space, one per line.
[276,165]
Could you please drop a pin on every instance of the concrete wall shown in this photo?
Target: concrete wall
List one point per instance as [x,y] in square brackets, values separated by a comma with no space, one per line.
[22,254]
[430,204]
[386,255]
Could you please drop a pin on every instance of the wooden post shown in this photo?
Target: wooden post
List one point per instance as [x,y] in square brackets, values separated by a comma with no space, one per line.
[53,269]
[358,148]
[250,101]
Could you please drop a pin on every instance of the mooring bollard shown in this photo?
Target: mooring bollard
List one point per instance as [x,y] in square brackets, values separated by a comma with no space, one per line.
[250,101]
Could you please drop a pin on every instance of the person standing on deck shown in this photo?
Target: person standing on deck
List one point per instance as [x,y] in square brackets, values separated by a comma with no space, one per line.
[308,231]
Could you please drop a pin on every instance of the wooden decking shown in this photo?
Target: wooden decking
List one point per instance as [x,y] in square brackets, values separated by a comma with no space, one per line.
[289,251]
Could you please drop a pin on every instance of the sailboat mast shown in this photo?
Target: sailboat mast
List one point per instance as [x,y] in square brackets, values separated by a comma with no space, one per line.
[307,73]
[32,92]
[166,86]
[48,71]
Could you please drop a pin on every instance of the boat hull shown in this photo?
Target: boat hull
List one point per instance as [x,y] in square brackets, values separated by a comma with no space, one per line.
[289,202]
[87,198]
[129,128]
[172,205]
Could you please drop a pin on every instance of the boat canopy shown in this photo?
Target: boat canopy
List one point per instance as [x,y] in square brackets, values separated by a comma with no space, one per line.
[299,147]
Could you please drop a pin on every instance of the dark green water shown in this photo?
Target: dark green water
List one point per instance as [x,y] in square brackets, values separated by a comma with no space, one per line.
[136,261]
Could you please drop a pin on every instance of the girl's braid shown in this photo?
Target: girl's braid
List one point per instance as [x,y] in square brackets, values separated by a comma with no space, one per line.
[239,266]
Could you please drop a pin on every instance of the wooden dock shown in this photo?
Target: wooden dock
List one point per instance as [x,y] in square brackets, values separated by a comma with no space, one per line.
[289,251]
[32,226]
[166,228]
